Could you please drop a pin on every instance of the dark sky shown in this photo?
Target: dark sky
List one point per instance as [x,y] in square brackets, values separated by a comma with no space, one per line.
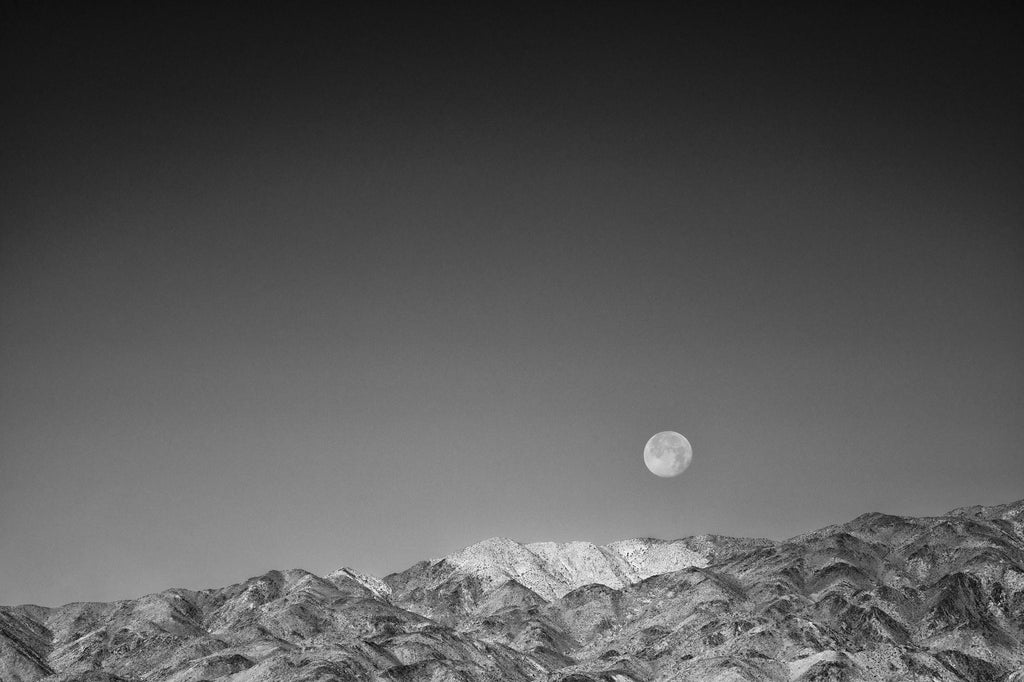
[319,287]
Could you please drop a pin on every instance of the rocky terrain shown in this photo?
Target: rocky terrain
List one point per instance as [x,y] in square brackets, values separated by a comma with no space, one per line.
[878,598]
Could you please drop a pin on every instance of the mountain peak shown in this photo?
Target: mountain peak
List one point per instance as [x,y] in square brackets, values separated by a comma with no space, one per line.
[375,585]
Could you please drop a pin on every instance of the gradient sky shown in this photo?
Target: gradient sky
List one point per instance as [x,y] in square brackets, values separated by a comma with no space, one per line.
[315,288]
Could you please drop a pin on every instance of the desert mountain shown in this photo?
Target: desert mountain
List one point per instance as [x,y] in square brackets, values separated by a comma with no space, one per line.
[878,598]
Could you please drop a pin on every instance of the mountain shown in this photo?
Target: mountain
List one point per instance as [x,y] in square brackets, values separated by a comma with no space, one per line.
[878,598]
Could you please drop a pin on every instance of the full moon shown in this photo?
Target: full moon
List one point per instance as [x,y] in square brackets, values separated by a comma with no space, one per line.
[667,454]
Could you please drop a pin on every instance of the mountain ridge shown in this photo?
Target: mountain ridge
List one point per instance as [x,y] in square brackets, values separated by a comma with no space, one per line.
[879,597]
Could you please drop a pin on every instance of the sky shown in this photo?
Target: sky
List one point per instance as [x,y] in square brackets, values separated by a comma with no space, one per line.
[359,287]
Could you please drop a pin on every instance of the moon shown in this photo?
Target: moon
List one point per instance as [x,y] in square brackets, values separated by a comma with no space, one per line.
[667,454]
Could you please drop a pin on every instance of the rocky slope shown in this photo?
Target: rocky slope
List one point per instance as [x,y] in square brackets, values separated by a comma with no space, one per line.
[878,598]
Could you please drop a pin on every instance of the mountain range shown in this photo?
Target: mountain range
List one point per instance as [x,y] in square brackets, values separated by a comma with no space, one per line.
[878,598]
